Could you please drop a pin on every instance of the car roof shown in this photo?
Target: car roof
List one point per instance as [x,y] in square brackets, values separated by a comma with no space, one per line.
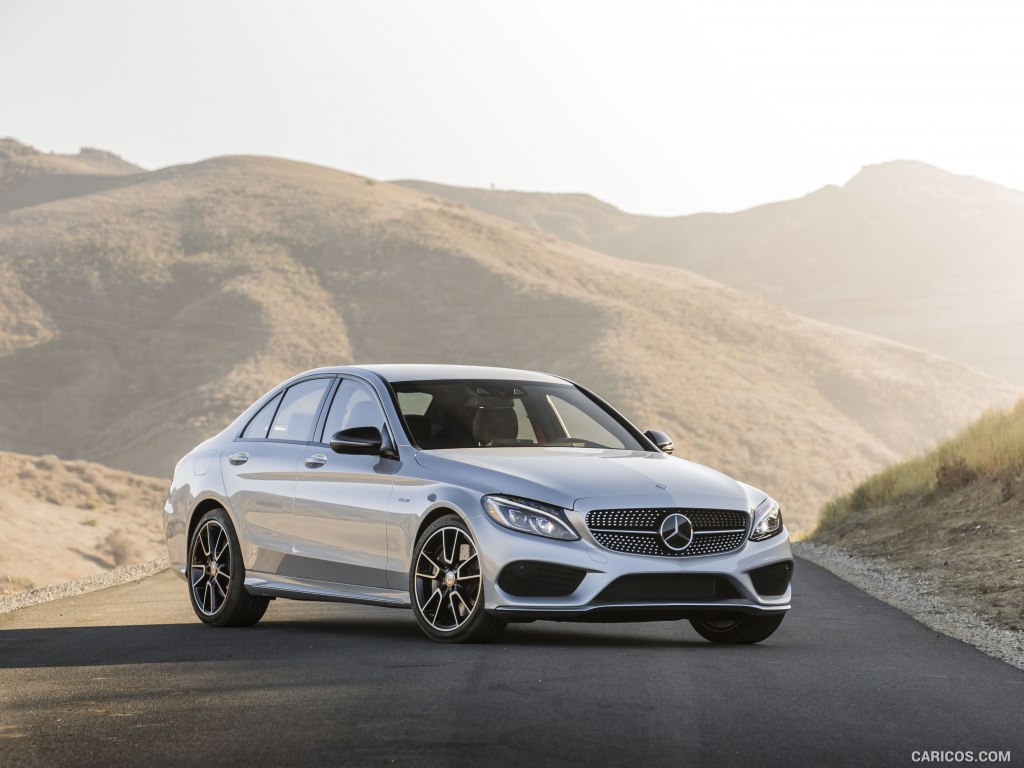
[396,372]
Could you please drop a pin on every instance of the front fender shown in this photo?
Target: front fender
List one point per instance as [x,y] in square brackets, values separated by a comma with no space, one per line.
[413,503]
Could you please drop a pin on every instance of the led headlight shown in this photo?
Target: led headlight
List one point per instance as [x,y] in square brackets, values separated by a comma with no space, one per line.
[529,517]
[767,520]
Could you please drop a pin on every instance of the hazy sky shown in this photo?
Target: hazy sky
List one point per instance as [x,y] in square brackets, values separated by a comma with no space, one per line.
[667,107]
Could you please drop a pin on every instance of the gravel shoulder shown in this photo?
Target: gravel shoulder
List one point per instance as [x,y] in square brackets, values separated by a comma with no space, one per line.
[965,543]
[912,594]
[103,580]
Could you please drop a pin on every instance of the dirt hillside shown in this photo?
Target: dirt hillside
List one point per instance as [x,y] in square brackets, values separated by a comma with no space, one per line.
[903,250]
[953,516]
[66,520]
[29,177]
[143,316]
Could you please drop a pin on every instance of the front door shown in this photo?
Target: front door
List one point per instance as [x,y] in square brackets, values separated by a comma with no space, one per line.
[341,500]
[259,472]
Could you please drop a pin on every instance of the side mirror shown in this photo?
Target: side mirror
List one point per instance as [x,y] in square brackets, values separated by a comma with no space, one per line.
[362,441]
[660,439]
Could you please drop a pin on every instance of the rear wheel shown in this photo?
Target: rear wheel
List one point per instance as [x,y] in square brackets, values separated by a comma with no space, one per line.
[216,575]
[737,629]
[446,586]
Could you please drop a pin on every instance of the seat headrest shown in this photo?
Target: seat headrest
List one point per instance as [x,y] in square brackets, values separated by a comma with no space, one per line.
[421,429]
[492,424]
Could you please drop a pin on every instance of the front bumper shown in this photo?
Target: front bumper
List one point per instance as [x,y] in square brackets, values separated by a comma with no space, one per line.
[499,547]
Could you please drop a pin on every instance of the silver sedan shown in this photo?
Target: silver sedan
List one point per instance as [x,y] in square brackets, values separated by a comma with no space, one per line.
[477,497]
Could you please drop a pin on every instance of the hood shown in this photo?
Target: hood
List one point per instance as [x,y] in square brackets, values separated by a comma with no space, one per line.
[565,475]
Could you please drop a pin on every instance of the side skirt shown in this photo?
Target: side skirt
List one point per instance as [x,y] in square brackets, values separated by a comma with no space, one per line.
[291,588]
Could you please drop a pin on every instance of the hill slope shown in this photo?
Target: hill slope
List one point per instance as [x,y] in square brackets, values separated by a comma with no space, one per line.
[66,520]
[30,177]
[954,515]
[146,316]
[903,250]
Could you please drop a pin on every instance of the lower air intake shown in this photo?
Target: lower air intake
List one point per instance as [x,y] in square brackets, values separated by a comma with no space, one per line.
[528,578]
[772,580]
[667,587]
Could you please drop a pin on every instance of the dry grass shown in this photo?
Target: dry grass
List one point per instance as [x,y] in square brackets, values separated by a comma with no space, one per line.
[122,548]
[955,515]
[992,448]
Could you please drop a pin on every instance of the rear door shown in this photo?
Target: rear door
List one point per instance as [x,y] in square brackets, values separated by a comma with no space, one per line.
[259,472]
[341,500]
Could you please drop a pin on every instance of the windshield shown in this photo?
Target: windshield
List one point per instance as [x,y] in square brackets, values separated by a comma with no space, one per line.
[502,414]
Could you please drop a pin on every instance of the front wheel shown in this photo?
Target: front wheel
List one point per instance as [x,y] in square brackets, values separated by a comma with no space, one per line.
[737,629]
[216,575]
[446,586]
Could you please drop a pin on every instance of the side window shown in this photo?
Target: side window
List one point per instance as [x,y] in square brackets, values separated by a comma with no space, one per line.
[261,421]
[296,417]
[355,405]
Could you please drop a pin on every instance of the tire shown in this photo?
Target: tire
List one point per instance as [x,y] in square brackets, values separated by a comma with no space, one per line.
[446,585]
[737,629]
[216,575]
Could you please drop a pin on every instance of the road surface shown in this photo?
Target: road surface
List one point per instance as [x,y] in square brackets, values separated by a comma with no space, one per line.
[128,676]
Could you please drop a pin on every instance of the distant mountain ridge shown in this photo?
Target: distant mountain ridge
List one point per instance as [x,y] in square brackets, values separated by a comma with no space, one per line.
[903,250]
[30,177]
[89,160]
[142,315]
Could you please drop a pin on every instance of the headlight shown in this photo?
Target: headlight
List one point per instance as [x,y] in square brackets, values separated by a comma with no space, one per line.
[767,520]
[529,517]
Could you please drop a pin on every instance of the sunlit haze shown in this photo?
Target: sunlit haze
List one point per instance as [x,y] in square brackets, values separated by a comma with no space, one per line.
[656,107]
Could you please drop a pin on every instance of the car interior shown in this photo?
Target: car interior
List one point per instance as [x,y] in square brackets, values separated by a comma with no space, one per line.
[466,414]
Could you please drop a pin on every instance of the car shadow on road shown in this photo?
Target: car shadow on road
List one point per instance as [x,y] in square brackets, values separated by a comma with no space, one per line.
[177,643]
[286,640]
[595,636]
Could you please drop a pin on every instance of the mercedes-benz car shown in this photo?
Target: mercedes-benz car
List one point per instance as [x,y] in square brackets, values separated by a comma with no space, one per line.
[476,497]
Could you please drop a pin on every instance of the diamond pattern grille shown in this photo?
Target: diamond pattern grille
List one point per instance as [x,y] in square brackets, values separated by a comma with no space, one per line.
[635,531]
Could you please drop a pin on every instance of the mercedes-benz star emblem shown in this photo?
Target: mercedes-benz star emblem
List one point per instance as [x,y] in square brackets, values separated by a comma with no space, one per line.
[676,531]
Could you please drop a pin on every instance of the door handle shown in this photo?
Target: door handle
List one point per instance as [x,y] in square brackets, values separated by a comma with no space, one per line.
[238,458]
[316,460]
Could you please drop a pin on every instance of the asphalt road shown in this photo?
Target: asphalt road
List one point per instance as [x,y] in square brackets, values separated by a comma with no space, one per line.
[127,676]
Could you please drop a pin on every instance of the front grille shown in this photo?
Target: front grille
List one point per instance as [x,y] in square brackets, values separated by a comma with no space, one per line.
[667,587]
[528,578]
[636,531]
[772,580]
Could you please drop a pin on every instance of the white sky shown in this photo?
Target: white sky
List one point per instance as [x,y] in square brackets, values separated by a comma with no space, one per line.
[658,107]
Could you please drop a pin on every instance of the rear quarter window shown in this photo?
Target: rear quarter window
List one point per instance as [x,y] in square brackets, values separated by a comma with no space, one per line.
[260,424]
